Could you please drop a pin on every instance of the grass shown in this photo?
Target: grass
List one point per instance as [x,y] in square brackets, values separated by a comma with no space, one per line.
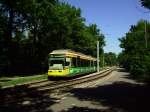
[7,82]
[13,81]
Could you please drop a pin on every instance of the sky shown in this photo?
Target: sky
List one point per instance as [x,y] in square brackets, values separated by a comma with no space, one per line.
[113,18]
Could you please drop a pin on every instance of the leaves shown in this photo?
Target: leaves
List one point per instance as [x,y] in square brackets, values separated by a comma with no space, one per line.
[110,59]
[31,29]
[146,3]
[136,56]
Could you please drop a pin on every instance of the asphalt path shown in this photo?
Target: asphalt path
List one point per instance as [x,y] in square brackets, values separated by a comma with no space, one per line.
[117,92]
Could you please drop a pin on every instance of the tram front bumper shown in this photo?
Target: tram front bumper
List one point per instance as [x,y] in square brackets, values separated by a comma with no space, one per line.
[57,73]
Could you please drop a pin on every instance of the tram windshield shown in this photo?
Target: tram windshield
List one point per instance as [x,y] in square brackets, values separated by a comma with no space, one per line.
[56,63]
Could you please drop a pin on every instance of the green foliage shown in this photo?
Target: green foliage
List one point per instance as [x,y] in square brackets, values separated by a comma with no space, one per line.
[146,3]
[110,59]
[31,29]
[136,56]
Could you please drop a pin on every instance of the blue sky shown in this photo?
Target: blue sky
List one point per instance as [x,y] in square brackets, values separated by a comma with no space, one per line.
[113,17]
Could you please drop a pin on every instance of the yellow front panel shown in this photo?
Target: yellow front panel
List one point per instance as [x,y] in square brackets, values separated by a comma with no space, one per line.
[64,72]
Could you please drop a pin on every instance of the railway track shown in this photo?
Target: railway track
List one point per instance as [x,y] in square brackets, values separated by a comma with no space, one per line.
[51,84]
[54,85]
[43,87]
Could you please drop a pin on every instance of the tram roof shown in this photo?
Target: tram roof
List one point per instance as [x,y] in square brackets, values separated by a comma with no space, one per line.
[71,53]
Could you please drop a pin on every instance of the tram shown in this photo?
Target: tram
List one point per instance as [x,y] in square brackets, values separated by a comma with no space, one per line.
[68,63]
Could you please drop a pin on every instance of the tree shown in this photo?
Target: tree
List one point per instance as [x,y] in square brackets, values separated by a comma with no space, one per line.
[110,59]
[20,16]
[135,56]
[31,29]
[146,3]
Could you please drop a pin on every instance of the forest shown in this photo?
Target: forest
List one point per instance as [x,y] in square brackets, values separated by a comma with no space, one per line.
[135,56]
[31,29]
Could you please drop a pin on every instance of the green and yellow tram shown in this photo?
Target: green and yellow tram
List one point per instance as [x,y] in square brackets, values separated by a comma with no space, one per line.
[67,63]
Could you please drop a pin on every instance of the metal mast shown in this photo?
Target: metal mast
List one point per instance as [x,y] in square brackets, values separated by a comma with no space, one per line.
[97,56]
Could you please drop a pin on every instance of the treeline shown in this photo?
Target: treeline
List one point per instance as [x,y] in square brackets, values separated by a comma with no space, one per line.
[110,59]
[31,29]
[136,49]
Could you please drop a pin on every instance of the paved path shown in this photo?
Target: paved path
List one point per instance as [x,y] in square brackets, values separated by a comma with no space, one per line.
[115,93]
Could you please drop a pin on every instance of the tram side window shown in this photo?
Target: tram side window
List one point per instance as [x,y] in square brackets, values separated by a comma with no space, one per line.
[88,63]
[82,62]
[85,63]
[78,62]
[74,62]
[94,63]
[91,63]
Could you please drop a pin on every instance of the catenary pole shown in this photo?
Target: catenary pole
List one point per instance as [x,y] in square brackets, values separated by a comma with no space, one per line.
[97,56]
[145,36]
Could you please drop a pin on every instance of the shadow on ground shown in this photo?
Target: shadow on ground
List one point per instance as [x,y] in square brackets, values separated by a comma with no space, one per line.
[119,96]
[23,99]
[136,78]
[86,109]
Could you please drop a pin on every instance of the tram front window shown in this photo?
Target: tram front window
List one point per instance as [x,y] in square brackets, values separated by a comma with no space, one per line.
[56,64]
